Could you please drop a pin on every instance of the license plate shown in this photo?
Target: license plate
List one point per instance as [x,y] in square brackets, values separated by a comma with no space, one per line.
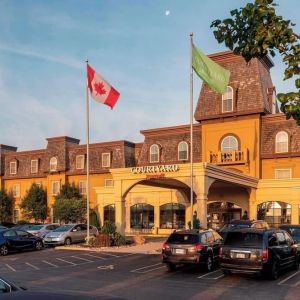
[240,255]
[180,251]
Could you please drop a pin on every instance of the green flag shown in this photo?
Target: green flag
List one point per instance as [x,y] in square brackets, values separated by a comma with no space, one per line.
[213,74]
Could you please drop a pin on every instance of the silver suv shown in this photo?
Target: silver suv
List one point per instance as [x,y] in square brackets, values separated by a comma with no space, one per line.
[68,234]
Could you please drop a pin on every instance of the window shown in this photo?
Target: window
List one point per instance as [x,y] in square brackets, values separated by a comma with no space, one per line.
[229,143]
[183,151]
[108,183]
[105,160]
[142,216]
[227,100]
[79,162]
[172,215]
[283,173]
[53,164]
[55,187]
[13,167]
[154,153]
[34,166]
[82,187]
[16,216]
[281,142]
[16,190]
[274,213]
[109,213]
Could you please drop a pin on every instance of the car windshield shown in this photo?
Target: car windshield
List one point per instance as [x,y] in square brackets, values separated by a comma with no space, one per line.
[63,228]
[36,227]
[243,239]
[228,227]
[183,238]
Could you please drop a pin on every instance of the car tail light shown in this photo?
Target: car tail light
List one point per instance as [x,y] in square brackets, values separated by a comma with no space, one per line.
[265,255]
[35,232]
[198,247]
[221,252]
[165,246]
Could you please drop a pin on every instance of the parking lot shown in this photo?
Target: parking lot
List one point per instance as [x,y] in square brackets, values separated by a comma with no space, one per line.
[136,276]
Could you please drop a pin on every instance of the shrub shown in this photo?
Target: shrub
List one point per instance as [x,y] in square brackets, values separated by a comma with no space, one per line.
[119,239]
[101,240]
[22,222]
[108,228]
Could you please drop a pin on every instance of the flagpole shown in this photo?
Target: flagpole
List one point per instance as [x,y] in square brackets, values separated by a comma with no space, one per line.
[87,161]
[191,128]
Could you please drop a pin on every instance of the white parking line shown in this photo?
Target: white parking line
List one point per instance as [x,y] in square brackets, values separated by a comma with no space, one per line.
[32,266]
[84,259]
[108,254]
[150,270]
[49,263]
[147,267]
[208,274]
[69,262]
[94,256]
[10,267]
[286,279]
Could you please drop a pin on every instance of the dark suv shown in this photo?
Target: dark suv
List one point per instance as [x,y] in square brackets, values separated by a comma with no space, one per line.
[199,247]
[238,224]
[293,230]
[258,251]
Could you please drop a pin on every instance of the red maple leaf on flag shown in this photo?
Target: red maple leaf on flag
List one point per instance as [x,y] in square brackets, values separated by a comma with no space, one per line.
[99,88]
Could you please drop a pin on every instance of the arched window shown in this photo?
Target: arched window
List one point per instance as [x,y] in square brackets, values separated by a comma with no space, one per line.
[110,213]
[182,151]
[142,216]
[227,100]
[172,215]
[281,142]
[274,213]
[229,143]
[53,164]
[154,153]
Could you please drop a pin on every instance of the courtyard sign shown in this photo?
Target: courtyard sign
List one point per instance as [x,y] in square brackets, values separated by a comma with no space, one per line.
[155,169]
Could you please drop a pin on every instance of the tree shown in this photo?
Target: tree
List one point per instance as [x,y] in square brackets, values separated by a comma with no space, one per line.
[69,205]
[34,204]
[6,206]
[255,31]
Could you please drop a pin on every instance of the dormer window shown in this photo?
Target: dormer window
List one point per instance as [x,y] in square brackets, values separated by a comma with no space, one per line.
[229,143]
[106,160]
[281,142]
[183,151]
[79,162]
[13,167]
[34,165]
[154,153]
[53,164]
[227,100]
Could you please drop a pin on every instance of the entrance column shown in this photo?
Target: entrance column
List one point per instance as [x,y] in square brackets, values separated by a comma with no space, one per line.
[202,209]
[120,215]
[252,214]
[156,218]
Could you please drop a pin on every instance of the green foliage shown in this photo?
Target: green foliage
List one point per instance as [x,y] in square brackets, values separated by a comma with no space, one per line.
[69,210]
[69,191]
[6,206]
[119,239]
[22,222]
[255,31]
[34,204]
[196,222]
[94,219]
[108,228]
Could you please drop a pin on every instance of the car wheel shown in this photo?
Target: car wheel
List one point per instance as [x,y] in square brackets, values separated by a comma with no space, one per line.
[3,250]
[38,245]
[171,267]
[209,264]
[297,263]
[274,271]
[68,241]
[226,272]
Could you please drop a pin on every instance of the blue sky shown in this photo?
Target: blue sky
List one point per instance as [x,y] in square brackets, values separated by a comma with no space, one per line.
[140,47]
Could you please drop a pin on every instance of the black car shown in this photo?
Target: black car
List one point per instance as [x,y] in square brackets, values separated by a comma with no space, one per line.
[238,224]
[198,247]
[293,230]
[258,251]
[11,239]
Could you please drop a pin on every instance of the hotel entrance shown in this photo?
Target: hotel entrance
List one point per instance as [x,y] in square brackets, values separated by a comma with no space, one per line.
[220,213]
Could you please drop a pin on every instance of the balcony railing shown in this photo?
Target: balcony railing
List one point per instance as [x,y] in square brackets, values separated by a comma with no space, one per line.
[229,157]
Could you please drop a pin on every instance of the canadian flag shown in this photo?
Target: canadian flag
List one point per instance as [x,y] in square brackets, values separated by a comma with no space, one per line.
[100,90]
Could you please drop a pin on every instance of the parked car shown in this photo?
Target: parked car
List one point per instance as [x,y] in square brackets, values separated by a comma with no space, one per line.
[68,234]
[293,230]
[2,227]
[11,239]
[258,251]
[197,247]
[238,224]
[42,230]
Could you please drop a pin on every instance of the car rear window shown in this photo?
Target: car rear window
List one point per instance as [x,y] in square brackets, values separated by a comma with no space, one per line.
[36,227]
[176,238]
[244,239]
[228,227]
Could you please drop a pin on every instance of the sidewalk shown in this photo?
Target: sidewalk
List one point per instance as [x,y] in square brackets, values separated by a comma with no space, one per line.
[152,247]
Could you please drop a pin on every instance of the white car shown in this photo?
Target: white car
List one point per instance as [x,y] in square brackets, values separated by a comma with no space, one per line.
[42,230]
